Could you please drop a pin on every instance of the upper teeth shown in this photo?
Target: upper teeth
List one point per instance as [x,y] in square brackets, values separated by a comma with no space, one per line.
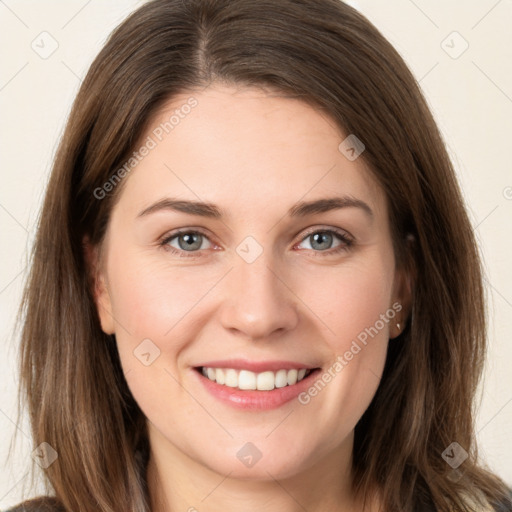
[244,379]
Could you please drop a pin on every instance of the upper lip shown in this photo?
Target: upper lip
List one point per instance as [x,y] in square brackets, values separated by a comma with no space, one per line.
[256,366]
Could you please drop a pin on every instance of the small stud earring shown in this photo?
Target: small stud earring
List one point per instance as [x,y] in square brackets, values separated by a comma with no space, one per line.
[398,326]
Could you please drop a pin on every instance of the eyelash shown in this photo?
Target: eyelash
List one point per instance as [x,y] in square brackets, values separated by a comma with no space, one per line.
[345,246]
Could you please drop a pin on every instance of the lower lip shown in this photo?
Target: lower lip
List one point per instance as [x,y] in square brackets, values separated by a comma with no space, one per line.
[256,400]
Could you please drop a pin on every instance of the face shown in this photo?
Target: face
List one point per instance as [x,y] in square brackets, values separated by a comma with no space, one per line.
[254,286]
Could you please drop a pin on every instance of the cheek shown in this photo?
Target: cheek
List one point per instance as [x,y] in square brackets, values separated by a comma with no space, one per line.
[151,297]
[150,303]
[357,312]
[159,308]
[351,299]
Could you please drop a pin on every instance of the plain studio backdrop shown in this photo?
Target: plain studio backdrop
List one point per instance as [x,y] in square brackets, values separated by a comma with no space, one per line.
[461,53]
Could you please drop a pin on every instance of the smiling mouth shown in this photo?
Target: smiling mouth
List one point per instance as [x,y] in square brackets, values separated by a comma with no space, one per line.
[248,380]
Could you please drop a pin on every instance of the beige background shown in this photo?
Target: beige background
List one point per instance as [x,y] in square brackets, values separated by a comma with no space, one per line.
[469,91]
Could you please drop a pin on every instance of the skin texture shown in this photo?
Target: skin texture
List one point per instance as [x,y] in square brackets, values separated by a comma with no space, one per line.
[255,155]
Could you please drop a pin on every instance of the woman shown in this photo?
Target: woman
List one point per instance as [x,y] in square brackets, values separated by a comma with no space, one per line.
[187,344]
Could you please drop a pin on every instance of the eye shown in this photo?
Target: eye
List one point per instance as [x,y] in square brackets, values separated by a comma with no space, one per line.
[184,241]
[321,241]
[192,241]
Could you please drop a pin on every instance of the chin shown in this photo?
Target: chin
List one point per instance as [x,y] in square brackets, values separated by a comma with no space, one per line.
[250,463]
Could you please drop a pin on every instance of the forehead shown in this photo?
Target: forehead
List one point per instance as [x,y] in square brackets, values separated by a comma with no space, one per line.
[248,149]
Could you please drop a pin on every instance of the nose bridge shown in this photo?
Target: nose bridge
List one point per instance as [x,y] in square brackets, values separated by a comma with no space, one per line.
[258,301]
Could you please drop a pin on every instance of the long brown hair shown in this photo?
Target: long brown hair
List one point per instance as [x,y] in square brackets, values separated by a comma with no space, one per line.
[323,52]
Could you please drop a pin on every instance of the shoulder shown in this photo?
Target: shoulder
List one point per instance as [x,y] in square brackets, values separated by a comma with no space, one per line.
[42,504]
[504,506]
[481,506]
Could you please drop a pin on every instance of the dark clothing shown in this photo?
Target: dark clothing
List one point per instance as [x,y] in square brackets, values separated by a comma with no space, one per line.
[51,505]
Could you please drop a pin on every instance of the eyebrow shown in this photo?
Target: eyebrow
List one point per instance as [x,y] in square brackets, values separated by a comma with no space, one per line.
[300,209]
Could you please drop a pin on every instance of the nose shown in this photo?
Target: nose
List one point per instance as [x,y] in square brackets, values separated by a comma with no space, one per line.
[259,302]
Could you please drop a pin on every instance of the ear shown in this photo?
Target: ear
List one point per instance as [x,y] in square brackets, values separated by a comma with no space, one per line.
[98,286]
[403,288]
